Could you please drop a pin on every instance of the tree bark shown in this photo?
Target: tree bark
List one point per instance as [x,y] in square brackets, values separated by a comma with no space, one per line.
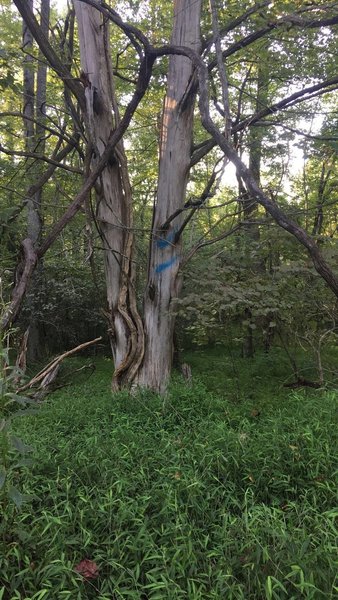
[35,340]
[114,198]
[250,231]
[164,281]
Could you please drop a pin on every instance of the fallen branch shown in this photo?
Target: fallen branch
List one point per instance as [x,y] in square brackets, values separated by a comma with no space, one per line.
[301,382]
[50,369]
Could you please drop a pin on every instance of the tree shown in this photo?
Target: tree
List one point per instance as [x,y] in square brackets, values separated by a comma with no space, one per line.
[34,101]
[142,349]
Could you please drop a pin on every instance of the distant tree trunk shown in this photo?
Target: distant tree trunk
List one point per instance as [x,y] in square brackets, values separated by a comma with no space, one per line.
[28,84]
[321,198]
[164,281]
[34,107]
[251,234]
[33,221]
[114,198]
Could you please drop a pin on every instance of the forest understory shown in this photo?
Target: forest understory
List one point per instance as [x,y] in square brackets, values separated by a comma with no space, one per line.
[224,488]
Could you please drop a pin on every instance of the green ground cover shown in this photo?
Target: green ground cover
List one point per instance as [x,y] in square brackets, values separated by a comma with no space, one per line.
[223,490]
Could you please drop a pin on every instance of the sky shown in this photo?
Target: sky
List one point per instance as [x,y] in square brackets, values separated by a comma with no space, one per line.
[60,3]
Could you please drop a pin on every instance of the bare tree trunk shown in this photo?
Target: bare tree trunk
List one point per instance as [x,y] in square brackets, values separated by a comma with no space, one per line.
[164,281]
[250,231]
[326,171]
[29,133]
[28,84]
[34,214]
[114,200]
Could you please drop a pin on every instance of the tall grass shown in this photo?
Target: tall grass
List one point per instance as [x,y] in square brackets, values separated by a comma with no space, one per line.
[203,495]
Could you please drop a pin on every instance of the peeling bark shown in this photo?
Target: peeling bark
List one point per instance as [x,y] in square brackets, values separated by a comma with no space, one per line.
[164,281]
[114,198]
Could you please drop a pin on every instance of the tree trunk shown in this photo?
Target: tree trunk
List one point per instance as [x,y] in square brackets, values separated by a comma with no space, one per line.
[114,201]
[250,232]
[33,224]
[164,281]
[35,340]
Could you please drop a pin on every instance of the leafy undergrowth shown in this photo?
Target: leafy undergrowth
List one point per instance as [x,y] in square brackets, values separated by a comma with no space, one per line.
[222,495]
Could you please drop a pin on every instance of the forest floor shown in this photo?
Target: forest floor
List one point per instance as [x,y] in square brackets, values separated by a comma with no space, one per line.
[224,489]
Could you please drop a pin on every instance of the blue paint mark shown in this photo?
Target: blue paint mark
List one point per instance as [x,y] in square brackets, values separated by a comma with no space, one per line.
[165,265]
[164,242]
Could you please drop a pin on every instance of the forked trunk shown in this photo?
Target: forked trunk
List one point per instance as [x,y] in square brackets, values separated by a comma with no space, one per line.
[164,279]
[114,203]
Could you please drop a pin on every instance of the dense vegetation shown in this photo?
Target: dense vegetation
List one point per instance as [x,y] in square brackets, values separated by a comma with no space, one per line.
[280,108]
[222,489]
[168,187]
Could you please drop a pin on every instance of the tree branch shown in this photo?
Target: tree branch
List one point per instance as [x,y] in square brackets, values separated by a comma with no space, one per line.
[291,100]
[116,135]
[303,95]
[214,240]
[37,122]
[253,188]
[26,266]
[37,156]
[289,20]
[235,23]
[48,51]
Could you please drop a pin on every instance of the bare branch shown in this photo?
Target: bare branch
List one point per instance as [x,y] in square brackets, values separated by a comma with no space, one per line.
[254,189]
[287,21]
[55,362]
[20,115]
[306,93]
[303,95]
[37,156]
[214,240]
[48,51]
[116,135]
[309,136]
[235,23]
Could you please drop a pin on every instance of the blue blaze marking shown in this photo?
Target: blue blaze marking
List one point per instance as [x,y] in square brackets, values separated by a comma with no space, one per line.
[164,242]
[165,265]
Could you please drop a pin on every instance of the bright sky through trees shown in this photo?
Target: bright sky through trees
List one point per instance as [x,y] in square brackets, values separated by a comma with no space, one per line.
[230,172]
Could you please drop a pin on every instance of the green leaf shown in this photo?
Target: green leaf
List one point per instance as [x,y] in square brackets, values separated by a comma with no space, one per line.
[4,425]
[22,400]
[24,462]
[17,497]
[268,588]
[19,445]
[2,476]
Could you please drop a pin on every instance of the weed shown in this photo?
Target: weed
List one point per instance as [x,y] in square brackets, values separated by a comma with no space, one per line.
[203,496]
